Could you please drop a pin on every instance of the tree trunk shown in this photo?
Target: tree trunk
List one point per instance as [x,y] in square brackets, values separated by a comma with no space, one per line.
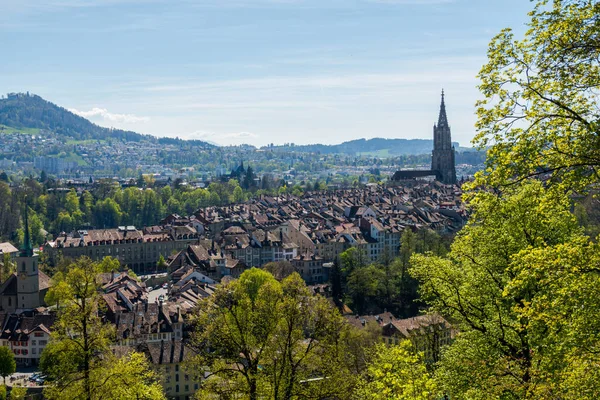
[86,354]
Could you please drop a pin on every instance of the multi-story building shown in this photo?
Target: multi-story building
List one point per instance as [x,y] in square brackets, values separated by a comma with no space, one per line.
[26,335]
[167,358]
[310,267]
[134,248]
[427,333]
[256,248]
[8,248]
[26,288]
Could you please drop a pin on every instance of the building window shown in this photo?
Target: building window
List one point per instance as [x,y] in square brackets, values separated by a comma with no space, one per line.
[177,388]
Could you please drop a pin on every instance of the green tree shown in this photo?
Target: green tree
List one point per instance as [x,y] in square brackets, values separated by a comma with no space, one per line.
[17,393]
[7,267]
[495,356]
[238,195]
[86,203]
[561,320]
[161,264]
[8,366]
[279,269]
[64,222]
[72,202]
[352,259]
[365,286]
[107,213]
[539,114]
[335,279]
[397,373]
[260,338]
[131,377]
[78,360]
[36,228]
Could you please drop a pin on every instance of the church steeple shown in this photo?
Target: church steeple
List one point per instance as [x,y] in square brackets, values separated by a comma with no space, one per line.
[442,119]
[27,248]
[442,161]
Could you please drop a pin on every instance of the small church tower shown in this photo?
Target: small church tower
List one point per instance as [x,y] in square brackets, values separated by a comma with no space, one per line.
[442,161]
[28,283]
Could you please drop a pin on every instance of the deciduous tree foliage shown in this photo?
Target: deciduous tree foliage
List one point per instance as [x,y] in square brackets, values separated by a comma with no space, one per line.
[78,361]
[8,366]
[17,393]
[539,113]
[521,281]
[397,373]
[261,338]
[496,354]
[562,318]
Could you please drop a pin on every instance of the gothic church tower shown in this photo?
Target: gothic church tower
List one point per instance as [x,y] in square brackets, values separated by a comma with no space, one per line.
[28,283]
[442,161]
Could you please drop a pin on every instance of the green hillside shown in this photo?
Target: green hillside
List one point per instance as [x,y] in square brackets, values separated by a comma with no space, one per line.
[28,113]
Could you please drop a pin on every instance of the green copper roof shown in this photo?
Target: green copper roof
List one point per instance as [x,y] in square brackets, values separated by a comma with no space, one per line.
[27,248]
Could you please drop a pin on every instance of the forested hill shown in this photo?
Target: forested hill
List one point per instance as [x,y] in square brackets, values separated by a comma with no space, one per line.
[375,147]
[21,111]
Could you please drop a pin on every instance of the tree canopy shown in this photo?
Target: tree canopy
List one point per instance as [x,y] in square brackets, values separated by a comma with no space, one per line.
[8,366]
[539,113]
[78,361]
[397,373]
[261,338]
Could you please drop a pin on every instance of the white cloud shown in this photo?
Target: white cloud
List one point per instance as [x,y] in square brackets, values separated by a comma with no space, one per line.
[107,116]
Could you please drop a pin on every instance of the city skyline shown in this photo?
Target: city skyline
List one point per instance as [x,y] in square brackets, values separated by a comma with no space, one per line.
[257,72]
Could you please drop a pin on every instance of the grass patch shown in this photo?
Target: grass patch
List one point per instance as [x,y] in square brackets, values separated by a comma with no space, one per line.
[24,131]
[76,158]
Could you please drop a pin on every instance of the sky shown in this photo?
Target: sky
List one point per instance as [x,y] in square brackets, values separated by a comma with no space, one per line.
[256,71]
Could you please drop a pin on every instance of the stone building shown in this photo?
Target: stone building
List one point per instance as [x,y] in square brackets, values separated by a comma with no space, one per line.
[427,333]
[310,267]
[442,161]
[443,155]
[167,357]
[26,335]
[26,288]
[136,249]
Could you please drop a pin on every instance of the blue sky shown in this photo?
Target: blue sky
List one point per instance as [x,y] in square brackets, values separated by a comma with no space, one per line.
[256,71]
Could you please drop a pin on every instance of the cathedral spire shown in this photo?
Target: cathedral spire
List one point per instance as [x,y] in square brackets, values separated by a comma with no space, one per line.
[442,119]
[27,249]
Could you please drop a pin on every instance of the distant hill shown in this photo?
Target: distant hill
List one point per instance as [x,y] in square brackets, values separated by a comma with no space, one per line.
[377,147]
[26,111]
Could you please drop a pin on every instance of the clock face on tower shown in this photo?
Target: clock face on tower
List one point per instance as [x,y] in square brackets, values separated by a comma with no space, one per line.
[23,275]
